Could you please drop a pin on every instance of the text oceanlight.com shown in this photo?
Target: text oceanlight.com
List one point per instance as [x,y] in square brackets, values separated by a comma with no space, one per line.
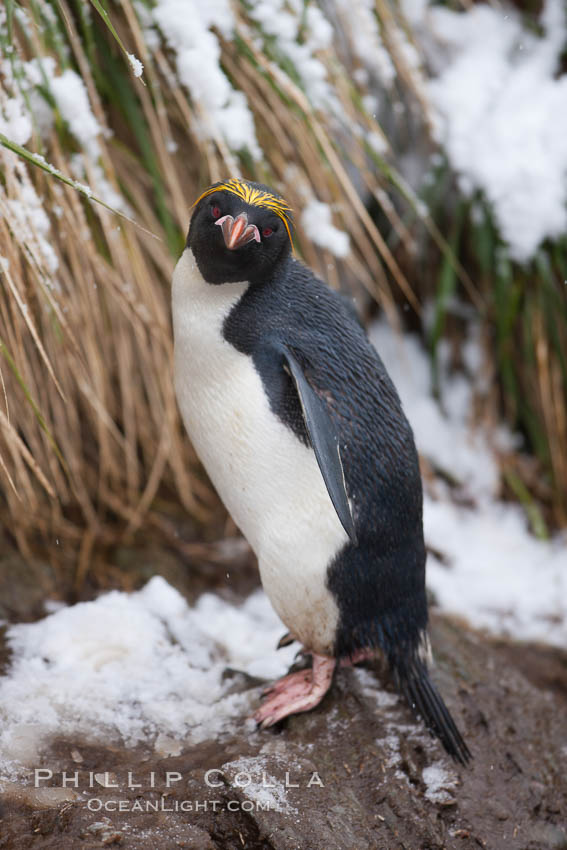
[95,804]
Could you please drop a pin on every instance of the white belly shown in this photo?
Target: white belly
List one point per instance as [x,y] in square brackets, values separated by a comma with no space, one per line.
[269,481]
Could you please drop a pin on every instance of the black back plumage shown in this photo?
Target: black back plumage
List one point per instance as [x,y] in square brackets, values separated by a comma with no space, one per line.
[379,584]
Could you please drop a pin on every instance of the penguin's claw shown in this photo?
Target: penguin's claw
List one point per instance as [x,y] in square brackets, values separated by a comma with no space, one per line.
[285,640]
[295,696]
[296,692]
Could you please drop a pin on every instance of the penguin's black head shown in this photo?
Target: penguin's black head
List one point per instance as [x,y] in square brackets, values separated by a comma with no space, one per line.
[239,231]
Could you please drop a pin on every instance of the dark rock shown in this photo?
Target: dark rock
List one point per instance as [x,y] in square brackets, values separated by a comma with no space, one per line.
[546,836]
[24,587]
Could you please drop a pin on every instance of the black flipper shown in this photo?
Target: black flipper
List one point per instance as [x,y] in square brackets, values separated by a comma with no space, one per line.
[322,434]
[424,699]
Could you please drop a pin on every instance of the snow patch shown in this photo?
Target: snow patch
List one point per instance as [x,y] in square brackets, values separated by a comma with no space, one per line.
[386,709]
[439,783]
[132,667]
[187,28]
[443,434]
[299,30]
[358,20]
[494,572]
[316,221]
[501,116]
[15,120]
[414,11]
[72,100]
[258,785]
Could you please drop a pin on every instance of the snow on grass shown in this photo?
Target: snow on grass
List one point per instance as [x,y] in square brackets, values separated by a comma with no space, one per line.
[28,107]
[494,572]
[358,20]
[72,100]
[71,97]
[297,31]
[26,213]
[187,26]
[500,101]
[316,221]
[135,667]
[15,120]
[135,64]
[414,10]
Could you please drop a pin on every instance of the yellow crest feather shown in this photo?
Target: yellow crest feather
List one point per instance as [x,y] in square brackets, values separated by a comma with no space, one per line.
[255,197]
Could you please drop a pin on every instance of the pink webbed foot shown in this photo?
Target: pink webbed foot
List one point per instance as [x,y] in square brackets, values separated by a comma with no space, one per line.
[296,692]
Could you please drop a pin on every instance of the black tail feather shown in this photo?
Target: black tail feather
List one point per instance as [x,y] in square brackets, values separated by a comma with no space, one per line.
[424,699]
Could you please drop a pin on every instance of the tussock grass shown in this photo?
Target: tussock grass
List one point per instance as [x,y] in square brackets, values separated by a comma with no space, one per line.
[92,451]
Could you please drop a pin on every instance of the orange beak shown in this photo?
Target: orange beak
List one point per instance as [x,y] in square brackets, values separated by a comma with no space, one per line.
[236,231]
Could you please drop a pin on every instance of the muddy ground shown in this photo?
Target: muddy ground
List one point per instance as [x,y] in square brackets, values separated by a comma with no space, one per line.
[351,775]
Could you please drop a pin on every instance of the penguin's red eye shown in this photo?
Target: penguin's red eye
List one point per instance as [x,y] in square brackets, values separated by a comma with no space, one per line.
[215,211]
[267,231]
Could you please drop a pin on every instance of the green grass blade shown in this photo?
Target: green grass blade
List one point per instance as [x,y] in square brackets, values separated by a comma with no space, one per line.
[446,288]
[106,18]
[40,162]
[530,506]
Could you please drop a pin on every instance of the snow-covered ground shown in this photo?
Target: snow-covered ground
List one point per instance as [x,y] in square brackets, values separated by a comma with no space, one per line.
[135,667]
[146,666]
[494,571]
